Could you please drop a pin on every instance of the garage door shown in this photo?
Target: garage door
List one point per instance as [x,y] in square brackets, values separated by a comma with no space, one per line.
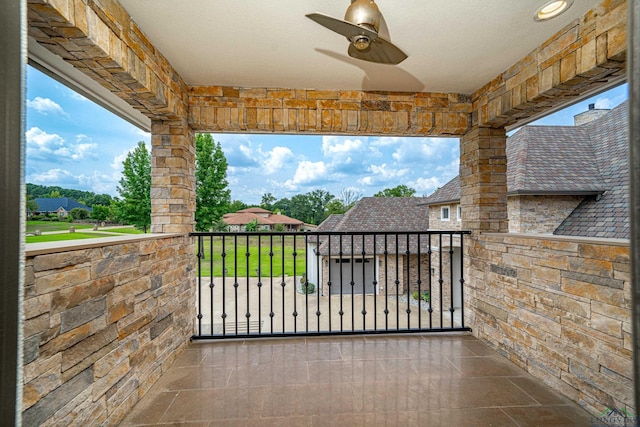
[363,271]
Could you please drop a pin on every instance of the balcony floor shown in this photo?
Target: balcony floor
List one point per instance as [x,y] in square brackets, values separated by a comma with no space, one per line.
[356,381]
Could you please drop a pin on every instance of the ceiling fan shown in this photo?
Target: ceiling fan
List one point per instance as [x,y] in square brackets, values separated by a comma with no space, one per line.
[360,26]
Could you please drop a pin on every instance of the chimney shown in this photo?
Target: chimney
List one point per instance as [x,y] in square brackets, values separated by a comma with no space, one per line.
[590,115]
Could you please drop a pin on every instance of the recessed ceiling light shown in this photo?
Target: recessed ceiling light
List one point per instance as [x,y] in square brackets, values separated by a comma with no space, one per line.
[551,9]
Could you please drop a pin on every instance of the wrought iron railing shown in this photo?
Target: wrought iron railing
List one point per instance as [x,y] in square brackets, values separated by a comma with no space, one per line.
[317,283]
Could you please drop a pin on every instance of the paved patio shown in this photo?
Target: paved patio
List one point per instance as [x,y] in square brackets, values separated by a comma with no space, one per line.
[432,380]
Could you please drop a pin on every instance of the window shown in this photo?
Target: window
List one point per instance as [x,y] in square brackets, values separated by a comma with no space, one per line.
[459,212]
[444,213]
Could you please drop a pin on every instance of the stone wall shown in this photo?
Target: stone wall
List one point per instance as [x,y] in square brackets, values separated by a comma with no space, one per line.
[560,308]
[101,323]
[539,214]
[352,112]
[435,223]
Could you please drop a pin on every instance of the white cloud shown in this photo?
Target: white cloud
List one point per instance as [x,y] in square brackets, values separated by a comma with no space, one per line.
[45,106]
[422,150]
[307,173]
[336,146]
[425,185]
[54,177]
[50,146]
[276,159]
[78,97]
[382,175]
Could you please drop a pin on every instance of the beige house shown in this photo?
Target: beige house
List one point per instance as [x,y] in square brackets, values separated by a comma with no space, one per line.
[562,180]
[265,219]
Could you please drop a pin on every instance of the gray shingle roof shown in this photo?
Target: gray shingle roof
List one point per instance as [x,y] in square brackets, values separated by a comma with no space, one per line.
[608,215]
[378,214]
[590,159]
[46,204]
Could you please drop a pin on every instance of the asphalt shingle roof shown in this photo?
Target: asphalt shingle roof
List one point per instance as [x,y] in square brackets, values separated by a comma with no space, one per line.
[590,159]
[53,204]
[376,214]
[608,215]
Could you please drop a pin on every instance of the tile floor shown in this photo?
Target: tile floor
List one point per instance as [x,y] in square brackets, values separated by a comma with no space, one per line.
[421,380]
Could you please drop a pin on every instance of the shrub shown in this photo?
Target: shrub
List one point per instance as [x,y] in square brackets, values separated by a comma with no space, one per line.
[308,288]
[425,296]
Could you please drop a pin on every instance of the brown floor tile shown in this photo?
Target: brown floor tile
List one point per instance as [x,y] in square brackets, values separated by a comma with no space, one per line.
[417,370]
[539,391]
[346,371]
[471,392]
[269,374]
[192,356]
[149,410]
[486,366]
[214,405]
[308,399]
[372,349]
[553,416]
[188,378]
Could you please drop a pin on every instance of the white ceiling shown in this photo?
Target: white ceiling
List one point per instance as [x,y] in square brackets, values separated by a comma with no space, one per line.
[453,45]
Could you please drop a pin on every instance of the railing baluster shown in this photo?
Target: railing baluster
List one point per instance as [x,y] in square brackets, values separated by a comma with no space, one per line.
[295,307]
[329,278]
[462,280]
[429,253]
[408,282]
[440,279]
[271,313]
[376,274]
[386,285]
[319,281]
[259,284]
[451,309]
[352,283]
[211,284]
[364,285]
[224,285]
[283,285]
[419,282]
[397,282]
[341,312]
[199,255]
[235,280]
[248,255]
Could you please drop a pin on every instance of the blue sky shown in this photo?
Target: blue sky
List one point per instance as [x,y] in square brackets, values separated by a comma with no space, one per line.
[74,143]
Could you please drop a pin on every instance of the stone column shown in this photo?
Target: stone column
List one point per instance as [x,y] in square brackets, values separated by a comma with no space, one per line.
[173,182]
[483,197]
[483,180]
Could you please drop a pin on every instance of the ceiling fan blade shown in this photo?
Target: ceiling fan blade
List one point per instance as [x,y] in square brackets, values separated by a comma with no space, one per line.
[381,51]
[345,28]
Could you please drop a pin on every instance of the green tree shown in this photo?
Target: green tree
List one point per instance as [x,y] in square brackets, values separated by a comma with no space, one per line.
[54,194]
[79,213]
[101,212]
[32,206]
[237,205]
[212,193]
[135,188]
[335,207]
[252,226]
[283,206]
[397,191]
[267,201]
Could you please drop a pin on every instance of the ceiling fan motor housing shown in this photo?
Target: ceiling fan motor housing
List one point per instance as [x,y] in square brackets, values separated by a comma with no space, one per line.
[364,13]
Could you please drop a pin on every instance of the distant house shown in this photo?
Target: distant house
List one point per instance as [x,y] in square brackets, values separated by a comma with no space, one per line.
[565,180]
[360,260]
[60,206]
[265,219]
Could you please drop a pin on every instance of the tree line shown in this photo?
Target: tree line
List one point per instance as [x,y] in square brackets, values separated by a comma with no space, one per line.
[213,197]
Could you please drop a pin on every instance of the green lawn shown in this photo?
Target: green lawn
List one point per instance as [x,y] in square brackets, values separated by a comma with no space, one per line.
[64,236]
[259,256]
[43,226]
